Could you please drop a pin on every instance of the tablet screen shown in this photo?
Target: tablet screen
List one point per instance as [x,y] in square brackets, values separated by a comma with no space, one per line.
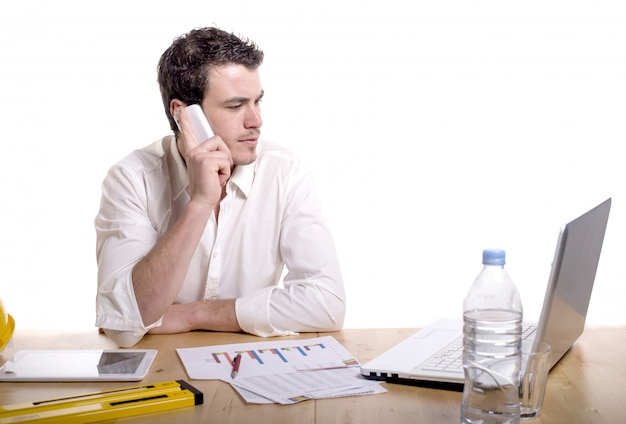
[112,362]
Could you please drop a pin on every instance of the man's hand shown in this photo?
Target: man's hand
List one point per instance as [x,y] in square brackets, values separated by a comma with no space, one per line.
[208,163]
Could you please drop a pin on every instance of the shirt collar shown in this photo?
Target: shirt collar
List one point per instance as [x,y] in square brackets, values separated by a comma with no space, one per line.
[242,177]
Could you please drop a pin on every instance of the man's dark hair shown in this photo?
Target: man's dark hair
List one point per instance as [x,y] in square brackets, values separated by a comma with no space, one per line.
[183,71]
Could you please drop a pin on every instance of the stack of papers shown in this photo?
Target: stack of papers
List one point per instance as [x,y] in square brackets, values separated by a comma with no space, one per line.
[282,372]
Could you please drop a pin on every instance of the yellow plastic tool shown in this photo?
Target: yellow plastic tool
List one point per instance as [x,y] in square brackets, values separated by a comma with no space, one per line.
[106,405]
[7,325]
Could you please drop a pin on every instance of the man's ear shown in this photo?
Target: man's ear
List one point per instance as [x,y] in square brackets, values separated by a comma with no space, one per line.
[174,105]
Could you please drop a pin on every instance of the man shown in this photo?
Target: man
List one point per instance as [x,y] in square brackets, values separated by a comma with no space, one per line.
[194,234]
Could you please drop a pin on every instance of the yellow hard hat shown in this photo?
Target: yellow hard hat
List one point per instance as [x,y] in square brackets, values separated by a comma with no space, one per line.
[7,325]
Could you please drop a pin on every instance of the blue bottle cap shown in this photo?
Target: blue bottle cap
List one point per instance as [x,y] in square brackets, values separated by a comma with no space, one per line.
[494,257]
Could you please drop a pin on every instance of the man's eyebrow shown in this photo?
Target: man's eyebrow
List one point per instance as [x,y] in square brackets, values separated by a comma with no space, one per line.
[241,99]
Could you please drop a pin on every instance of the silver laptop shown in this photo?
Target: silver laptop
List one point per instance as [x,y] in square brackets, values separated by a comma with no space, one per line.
[433,356]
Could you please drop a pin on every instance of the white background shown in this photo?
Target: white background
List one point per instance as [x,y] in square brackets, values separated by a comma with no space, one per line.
[434,129]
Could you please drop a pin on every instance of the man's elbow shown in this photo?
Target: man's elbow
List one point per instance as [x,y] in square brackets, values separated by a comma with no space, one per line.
[125,339]
[336,315]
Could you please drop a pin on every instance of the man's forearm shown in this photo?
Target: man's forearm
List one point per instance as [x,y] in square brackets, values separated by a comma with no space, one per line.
[212,315]
[158,277]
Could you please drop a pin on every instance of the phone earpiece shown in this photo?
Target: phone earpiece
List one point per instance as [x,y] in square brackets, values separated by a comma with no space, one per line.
[176,116]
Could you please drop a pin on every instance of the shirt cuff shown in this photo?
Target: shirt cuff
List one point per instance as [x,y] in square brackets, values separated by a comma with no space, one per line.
[254,317]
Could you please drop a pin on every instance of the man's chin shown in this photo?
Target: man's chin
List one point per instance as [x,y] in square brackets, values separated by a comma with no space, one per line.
[242,160]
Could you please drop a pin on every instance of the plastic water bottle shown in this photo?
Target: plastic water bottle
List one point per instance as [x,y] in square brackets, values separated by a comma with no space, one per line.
[492,340]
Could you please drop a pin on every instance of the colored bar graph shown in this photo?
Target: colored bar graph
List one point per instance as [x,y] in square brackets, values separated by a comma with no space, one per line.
[280,355]
[267,358]
[216,357]
[254,355]
[298,356]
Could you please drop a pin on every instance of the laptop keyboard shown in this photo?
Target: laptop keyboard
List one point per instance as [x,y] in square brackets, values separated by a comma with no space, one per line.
[450,358]
[528,330]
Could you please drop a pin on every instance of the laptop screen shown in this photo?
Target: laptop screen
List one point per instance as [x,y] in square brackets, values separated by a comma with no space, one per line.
[571,280]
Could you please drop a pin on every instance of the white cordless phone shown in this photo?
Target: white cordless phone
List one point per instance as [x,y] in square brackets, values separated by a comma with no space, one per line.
[200,126]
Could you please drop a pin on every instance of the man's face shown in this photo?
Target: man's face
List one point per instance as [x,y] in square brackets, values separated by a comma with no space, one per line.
[232,108]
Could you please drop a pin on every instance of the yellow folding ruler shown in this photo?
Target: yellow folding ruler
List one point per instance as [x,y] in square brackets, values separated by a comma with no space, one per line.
[106,405]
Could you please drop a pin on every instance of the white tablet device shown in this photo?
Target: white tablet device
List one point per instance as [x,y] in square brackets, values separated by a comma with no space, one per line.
[78,365]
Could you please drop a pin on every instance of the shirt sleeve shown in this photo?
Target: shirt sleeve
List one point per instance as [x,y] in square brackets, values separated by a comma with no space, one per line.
[124,235]
[312,297]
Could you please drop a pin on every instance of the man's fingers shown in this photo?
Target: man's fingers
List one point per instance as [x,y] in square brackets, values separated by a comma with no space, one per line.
[191,142]
[212,155]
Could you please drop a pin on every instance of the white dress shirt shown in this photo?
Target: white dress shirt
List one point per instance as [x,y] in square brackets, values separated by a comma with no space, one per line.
[270,219]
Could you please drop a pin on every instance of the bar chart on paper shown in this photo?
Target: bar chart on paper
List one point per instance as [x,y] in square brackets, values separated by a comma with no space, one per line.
[266,358]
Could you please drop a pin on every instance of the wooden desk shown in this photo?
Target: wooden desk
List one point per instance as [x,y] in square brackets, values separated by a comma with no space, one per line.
[587,386]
